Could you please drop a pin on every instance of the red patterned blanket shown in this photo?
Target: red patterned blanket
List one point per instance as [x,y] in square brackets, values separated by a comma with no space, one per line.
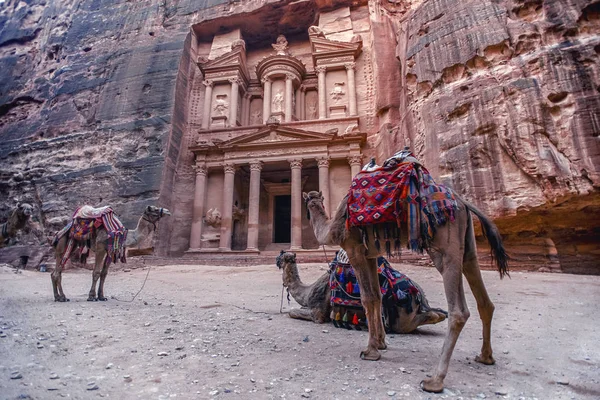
[404,194]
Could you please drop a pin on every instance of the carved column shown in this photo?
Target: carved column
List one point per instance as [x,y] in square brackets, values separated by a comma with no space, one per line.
[296,239]
[324,182]
[298,110]
[351,88]
[226,221]
[198,213]
[207,104]
[322,92]
[355,162]
[253,205]
[289,94]
[235,92]
[266,99]
[245,110]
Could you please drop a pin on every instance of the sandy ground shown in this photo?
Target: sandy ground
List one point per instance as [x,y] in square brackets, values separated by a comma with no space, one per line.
[209,332]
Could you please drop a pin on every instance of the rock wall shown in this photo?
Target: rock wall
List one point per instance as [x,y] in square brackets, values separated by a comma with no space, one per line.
[504,106]
[498,98]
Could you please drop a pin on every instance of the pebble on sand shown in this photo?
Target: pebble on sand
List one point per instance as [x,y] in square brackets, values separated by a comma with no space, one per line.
[16,375]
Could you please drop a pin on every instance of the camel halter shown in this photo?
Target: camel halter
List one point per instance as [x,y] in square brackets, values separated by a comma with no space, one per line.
[154,221]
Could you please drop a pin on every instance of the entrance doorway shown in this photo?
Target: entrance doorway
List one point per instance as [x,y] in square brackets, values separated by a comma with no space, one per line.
[282,219]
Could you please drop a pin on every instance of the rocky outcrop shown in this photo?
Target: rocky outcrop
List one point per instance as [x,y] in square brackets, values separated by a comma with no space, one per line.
[504,106]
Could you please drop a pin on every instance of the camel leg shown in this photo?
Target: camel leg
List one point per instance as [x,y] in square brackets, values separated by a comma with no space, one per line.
[458,314]
[96,274]
[409,322]
[56,275]
[303,313]
[485,307]
[101,284]
[370,296]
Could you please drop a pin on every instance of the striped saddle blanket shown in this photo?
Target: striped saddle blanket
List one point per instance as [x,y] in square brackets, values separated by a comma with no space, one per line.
[82,225]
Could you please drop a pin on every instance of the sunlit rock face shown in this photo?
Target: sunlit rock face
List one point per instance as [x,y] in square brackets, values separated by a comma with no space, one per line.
[499,99]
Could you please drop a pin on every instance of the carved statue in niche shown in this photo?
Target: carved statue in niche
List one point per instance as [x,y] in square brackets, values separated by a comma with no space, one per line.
[221,105]
[281,46]
[311,110]
[213,217]
[278,102]
[256,117]
[337,92]
[237,212]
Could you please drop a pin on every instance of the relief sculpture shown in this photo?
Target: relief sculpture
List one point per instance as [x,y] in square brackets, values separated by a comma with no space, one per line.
[221,105]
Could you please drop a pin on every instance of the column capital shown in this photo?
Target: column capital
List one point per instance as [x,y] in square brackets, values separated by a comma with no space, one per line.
[350,65]
[320,69]
[266,79]
[355,159]
[200,168]
[208,82]
[235,80]
[289,77]
[323,162]
[229,168]
[256,166]
[295,164]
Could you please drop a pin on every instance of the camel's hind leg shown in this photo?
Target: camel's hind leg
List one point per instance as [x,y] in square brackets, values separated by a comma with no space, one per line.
[102,279]
[56,276]
[447,254]
[370,296]
[485,307]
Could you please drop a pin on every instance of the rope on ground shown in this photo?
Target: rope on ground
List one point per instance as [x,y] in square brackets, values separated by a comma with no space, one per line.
[139,291]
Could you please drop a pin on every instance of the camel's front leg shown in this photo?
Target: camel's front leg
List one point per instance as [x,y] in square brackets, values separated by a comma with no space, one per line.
[458,314]
[98,265]
[370,296]
[56,275]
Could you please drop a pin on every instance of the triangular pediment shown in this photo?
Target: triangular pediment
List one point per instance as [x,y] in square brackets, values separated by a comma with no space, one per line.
[320,45]
[233,60]
[277,136]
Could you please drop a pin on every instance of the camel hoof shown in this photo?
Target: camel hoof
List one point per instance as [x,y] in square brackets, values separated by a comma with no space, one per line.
[370,355]
[432,385]
[485,360]
[92,299]
[382,346]
[61,299]
[102,298]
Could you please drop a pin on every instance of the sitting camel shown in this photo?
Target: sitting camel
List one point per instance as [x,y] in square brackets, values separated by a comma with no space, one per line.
[450,244]
[16,221]
[100,241]
[316,302]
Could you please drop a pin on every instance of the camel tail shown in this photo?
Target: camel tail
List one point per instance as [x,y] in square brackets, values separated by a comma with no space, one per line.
[491,233]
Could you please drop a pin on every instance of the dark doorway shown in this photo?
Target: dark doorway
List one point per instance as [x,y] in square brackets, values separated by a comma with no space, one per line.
[282,219]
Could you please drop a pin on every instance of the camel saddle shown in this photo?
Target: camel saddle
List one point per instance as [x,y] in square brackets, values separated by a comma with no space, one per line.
[401,193]
[80,229]
[397,290]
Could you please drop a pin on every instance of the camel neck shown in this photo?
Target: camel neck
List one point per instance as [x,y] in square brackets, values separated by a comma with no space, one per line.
[298,290]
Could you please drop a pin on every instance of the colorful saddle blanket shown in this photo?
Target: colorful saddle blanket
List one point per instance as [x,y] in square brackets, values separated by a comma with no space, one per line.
[83,223]
[397,194]
[396,290]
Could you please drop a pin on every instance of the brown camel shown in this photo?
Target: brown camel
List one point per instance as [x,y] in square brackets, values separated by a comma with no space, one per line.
[316,304]
[99,242]
[17,220]
[452,250]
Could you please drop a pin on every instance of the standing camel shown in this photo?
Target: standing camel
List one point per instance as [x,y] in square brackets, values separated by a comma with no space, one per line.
[452,249]
[98,241]
[16,221]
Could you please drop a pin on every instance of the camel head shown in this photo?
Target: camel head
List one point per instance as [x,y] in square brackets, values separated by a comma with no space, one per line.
[153,214]
[24,210]
[285,258]
[313,200]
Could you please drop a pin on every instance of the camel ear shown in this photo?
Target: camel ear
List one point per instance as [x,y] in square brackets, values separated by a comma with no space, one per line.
[304,196]
[148,208]
[321,195]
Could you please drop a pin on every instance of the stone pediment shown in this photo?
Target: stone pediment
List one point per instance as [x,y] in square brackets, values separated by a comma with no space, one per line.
[323,48]
[277,136]
[233,61]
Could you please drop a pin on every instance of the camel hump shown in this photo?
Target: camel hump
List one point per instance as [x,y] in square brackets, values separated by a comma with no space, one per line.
[91,212]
